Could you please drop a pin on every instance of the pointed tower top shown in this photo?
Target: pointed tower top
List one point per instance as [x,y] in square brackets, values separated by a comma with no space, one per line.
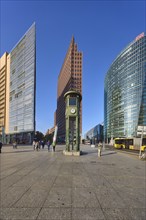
[72,40]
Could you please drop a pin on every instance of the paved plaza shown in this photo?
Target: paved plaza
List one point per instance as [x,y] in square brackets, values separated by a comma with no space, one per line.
[50,186]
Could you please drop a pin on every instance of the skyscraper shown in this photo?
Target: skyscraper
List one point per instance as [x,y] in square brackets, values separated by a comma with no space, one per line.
[4,93]
[70,78]
[20,93]
[125,91]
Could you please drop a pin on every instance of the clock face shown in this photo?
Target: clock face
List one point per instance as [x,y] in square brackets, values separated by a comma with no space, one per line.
[72,110]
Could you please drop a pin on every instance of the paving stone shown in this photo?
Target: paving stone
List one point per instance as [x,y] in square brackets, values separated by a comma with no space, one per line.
[9,197]
[63,181]
[99,180]
[109,198]
[87,214]
[8,172]
[66,170]
[84,198]
[32,199]
[26,181]
[54,171]
[82,181]
[131,191]
[44,183]
[137,213]
[136,201]
[58,197]
[9,182]
[117,214]
[125,214]
[19,213]
[78,171]
[55,214]
[127,181]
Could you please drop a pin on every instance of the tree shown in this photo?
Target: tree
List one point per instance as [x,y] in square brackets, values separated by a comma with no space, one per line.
[49,137]
[39,135]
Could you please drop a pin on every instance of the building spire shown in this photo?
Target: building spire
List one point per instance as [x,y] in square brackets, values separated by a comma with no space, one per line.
[72,40]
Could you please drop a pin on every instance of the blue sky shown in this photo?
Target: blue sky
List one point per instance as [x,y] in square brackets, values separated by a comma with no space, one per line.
[101,29]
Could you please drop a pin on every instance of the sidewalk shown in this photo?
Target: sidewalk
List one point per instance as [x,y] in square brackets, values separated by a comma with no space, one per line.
[50,186]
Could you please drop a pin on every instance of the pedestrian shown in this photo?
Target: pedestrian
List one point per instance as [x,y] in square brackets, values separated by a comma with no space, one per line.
[53,146]
[37,145]
[33,144]
[48,144]
[1,147]
[43,144]
[99,149]
[14,145]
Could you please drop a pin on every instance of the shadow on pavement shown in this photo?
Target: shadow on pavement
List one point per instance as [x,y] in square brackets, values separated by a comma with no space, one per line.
[21,151]
[85,152]
[108,153]
[96,152]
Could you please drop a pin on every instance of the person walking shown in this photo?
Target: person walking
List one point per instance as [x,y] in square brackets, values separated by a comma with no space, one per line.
[53,147]
[1,147]
[43,144]
[33,144]
[14,145]
[48,144]
[37,145]
[99,149]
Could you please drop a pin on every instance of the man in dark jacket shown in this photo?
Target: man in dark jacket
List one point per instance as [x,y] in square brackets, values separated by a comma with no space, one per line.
[1,146]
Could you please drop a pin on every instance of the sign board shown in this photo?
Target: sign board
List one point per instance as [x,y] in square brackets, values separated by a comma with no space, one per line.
[141,130]
[140,133]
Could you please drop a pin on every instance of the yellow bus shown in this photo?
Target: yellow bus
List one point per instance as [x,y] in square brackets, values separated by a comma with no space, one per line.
[119,143]
[130,143]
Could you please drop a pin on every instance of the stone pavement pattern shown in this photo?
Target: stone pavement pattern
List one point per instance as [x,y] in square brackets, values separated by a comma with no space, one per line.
[50,186]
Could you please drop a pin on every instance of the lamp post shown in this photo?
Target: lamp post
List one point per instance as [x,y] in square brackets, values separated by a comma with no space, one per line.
[141,142]
[141,130]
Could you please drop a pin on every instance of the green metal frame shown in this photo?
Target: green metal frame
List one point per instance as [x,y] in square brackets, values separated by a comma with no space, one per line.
[73,111]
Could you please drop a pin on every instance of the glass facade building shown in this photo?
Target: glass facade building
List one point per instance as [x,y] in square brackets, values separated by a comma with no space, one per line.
[125,92]
[22,88]
[95,134]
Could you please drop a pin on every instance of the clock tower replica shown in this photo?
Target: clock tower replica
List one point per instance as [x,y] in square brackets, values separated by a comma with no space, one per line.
[72,118]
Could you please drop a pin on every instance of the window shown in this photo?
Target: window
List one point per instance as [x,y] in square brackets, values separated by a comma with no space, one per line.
[15,128]
[72,101]
[13,71]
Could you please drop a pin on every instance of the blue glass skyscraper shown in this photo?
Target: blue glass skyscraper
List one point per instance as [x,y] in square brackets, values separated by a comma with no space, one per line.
[125,91]
[22,88]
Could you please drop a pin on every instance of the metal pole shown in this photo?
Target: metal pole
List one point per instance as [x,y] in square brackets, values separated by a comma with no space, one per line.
[141,142]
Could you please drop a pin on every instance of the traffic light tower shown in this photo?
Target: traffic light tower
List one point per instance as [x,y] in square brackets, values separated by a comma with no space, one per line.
[72,118]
